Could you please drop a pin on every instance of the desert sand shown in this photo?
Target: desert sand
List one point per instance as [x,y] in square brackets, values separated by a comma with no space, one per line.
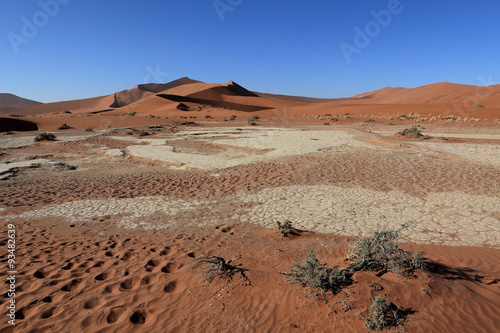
[110,223]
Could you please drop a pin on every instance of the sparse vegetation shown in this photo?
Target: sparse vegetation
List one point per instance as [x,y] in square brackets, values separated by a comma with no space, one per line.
[315,275]
[253,120]
[382,313]
[284,228]
[143,133]
[16,115]
[217,267]
[45,137]
[233,117]
[130,133]
[67,111]
[89,129]
[478,105]
[133,113]
[413,131]
[64,127]
[381,253]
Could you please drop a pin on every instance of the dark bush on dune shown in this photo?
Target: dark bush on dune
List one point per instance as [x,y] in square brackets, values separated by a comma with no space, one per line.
[45,137]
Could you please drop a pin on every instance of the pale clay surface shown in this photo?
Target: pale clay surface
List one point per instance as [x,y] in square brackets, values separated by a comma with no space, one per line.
[272,144]
[440,218]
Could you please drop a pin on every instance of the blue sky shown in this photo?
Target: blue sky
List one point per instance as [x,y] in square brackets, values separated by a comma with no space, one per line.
[52,50]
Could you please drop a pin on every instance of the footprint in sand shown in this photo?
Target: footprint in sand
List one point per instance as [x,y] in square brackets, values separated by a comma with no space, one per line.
[170,287]
[129,283]
[147,280]
[152,264]
[72,285]
[114,314]
[128,256]
[138,317]
[68,266]
[225,229]
[47,313]
[168,268]
[165,251]
[103,276]
[92,303]
[39,274]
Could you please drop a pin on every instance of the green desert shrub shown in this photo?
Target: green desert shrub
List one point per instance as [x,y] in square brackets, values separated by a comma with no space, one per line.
[67,111]
[382,313]
[252,121]
[381,253]
[313,274]
[133,113]
[64,127]
[284,228]
[143,133]
[413,131]
[45,137]
[478,105]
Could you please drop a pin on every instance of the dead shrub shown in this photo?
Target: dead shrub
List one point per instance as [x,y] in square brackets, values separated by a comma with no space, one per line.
[217,267]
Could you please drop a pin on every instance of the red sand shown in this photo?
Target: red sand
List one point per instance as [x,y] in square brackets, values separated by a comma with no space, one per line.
[97,277]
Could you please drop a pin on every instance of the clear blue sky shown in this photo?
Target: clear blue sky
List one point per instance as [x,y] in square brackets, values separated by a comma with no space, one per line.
[91,48]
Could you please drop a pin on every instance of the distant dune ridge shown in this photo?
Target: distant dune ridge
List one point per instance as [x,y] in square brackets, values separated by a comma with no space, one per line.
[13,100]
[126,97]
[163,98]
[443,92]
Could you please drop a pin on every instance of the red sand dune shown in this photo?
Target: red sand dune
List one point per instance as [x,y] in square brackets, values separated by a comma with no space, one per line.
[76,106]
[223,100]
[126,97]
[7,100]
[437,93]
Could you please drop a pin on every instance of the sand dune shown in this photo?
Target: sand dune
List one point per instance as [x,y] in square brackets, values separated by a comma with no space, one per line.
[126,97]
[76,106]
[380,93]
[437,93]
[7,100]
